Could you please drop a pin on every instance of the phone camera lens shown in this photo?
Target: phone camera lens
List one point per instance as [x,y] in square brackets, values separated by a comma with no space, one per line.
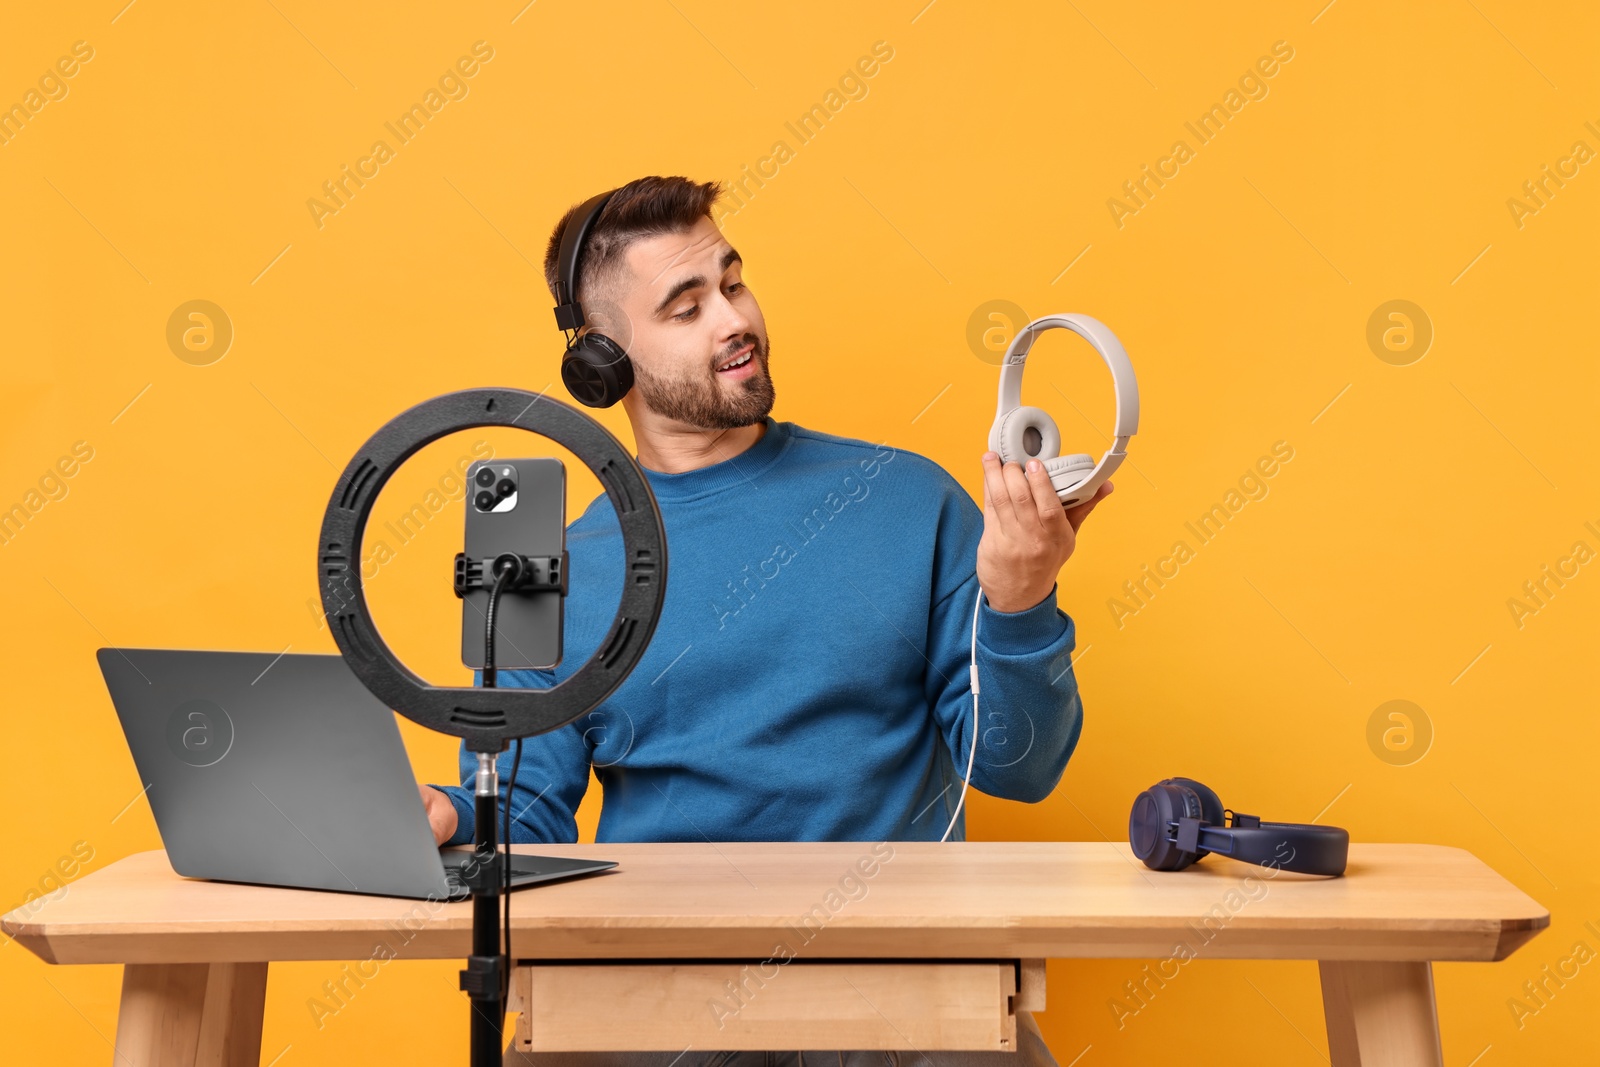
[485,477]
[506,487]
[485,500]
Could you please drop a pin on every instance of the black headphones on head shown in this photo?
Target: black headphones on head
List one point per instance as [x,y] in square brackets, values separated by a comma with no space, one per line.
[595,369]
[1178,821]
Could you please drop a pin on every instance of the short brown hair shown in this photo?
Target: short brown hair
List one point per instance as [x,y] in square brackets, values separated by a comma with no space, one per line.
[645,207]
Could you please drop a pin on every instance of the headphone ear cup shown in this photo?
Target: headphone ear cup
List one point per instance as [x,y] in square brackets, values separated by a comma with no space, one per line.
[1154,810]
[1067,472]
[596,371]
[1210,803]
[1147,828]
[1013,438]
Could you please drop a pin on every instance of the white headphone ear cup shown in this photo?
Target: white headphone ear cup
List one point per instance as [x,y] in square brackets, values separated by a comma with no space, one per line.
[1069,471]
[1012,444]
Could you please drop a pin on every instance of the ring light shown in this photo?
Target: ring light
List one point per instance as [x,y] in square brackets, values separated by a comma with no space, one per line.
[488,718]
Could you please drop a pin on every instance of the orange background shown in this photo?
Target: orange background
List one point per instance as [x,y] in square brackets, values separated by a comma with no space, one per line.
[975,165]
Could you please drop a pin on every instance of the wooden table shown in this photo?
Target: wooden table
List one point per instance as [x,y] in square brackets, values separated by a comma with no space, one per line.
[805,945]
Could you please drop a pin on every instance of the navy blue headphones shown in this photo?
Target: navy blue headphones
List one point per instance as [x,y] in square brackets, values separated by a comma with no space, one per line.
[595,369]
[1178,821]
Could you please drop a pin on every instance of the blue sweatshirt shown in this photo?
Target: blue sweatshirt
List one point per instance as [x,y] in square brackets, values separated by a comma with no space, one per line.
[807,680]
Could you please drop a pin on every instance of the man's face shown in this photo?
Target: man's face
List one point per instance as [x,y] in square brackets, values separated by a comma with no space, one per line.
[684,313]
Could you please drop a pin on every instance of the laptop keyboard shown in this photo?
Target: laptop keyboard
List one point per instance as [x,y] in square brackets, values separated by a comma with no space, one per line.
[456,881]
[524,870]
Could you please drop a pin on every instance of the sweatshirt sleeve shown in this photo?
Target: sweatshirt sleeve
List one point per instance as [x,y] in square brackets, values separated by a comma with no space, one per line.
[551,781]
[1028,703]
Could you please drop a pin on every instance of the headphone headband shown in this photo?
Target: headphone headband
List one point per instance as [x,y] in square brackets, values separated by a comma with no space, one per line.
[569,313]
[1312,849]
[1104,341]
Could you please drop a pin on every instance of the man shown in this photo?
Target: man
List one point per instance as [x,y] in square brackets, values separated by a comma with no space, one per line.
[808,677]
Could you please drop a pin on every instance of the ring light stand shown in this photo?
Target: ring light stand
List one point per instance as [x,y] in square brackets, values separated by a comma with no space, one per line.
[486,719]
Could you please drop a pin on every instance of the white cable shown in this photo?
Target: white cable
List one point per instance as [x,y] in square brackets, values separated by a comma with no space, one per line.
[972,672]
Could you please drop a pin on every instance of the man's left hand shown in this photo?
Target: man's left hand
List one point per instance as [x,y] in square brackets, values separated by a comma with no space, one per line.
[1027,534]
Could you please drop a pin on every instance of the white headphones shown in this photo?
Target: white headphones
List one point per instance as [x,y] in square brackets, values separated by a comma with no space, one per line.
[1022,433]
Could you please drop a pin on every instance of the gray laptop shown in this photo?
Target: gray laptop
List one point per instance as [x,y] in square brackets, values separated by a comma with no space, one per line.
[285,770]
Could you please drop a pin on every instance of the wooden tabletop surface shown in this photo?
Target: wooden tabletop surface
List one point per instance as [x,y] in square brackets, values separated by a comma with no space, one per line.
[741,899]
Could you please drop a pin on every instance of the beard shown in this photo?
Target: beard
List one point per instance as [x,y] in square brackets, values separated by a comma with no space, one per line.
[703,402]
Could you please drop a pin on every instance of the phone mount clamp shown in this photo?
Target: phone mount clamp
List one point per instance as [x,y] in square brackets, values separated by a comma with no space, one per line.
[487,718]
[529,574]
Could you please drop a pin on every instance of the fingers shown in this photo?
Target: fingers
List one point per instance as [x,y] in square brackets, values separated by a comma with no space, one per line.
[1076,515]
[1047,503]
[429,809]
[996,498]
[441,813]
[1025,513]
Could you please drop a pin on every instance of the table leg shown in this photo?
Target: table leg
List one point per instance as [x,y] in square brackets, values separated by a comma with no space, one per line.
[191,1015]
[1380,1014]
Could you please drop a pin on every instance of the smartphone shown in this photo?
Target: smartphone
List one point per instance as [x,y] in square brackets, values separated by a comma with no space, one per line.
[515,505]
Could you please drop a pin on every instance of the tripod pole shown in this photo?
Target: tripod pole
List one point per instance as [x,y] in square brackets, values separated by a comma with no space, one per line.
[488,971]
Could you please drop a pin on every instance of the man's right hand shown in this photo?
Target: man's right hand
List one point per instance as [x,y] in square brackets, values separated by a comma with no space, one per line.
[442,816]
